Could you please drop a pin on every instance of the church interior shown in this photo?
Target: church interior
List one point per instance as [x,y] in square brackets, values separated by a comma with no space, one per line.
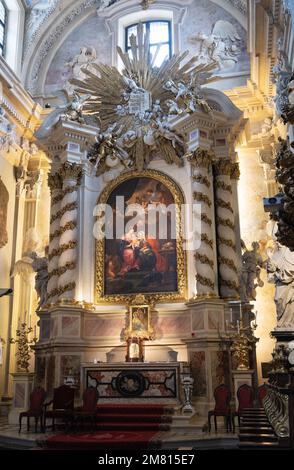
[146,224]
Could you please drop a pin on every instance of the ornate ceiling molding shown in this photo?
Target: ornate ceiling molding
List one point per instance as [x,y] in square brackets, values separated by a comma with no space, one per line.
[58,24]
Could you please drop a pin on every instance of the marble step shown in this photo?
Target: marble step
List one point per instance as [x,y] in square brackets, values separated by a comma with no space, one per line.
[257,445]
[256,430]
[258,437]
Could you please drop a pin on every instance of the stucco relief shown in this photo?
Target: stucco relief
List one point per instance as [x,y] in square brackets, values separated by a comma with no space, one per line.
[215,35]
[74,54]
[4,198]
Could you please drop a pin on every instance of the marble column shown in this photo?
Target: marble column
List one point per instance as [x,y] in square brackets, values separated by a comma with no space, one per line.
[201,161]
[68,242]
[55,184]
[225,223]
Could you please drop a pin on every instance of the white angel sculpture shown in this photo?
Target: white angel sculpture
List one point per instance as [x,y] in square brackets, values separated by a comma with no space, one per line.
[32,267]
[280,270]
[222,45]
[71,110]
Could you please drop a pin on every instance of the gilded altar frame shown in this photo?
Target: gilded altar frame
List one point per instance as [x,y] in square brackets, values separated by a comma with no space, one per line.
[151,299]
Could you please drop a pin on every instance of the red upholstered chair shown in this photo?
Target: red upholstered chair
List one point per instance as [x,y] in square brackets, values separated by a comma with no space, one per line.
[262,391]
[62,405]
[222,396]
[35,410]
[245,397]
[89,409]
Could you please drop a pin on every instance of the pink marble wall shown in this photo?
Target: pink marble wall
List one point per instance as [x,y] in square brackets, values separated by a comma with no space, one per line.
[173,325]
[198,371]
[54,327]
[19,395]
[220,368]
[197,321]
[98,327]
[70,326]
[214,320]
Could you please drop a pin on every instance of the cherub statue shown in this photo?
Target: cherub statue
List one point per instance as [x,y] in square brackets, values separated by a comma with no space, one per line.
[106,152]
[252,263]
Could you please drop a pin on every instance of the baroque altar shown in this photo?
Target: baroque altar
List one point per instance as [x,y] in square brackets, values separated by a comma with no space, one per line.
[163,140]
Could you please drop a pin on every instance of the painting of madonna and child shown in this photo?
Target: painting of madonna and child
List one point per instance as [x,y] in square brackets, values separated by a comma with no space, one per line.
[142,258]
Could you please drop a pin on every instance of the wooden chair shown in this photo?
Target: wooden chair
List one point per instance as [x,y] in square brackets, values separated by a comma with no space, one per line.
[35,410]
[88,411]
[222,396]
[62,405]
[245,397]
[261,394]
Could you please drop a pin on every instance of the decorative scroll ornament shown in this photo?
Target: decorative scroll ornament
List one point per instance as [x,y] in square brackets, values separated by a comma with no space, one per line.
[133,107]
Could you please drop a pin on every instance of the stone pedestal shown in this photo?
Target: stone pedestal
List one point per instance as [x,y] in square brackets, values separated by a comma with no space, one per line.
[241,377]
[22,387]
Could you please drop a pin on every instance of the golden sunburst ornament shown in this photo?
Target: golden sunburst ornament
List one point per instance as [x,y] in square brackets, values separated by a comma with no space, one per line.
[134,107]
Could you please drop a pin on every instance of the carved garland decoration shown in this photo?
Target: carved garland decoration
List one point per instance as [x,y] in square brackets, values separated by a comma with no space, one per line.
[181,260]
[200,197]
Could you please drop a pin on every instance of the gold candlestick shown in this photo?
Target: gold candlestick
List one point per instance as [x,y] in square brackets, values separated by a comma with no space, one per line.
[241,347]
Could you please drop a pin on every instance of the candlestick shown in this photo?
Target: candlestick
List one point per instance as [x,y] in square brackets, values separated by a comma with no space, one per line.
[238,326]
[240,311]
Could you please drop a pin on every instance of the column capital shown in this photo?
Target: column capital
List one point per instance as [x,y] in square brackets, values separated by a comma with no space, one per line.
[222,167]
[71,171]
[201,158]
[54,181]
[235,171]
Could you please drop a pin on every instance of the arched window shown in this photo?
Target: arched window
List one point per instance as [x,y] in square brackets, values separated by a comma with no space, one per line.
[160,36]
[3,19]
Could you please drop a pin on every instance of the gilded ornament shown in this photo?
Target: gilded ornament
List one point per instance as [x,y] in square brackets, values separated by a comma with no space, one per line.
[222,167]
[200,197]
[224,204]
[202,179]
[205,281]
[204,259]
[201,158]
[62,248]
[206,240]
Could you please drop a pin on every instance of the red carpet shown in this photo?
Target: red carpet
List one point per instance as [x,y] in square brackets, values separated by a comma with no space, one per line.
[118,427]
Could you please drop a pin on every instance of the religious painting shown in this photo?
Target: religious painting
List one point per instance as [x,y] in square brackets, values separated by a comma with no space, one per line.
[142,249]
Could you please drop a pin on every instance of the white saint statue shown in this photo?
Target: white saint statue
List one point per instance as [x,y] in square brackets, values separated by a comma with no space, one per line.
[280,268]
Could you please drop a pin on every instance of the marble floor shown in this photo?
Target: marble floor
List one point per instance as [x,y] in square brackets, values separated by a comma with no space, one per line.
[180,436]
